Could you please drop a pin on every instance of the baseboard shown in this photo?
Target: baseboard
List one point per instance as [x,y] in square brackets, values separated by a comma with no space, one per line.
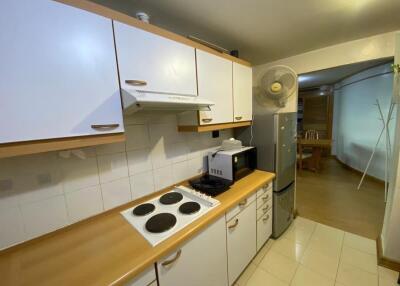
[383,261]
[357,171]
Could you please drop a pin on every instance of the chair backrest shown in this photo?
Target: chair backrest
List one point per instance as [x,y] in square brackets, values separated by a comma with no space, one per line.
[312,134]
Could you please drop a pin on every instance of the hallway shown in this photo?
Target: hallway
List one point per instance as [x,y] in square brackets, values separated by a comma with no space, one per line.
[330,197]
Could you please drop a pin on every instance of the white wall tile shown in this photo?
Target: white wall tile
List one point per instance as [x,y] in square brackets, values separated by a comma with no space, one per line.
[196,166]
[44,216]
[11,227]
[39,187]
[116,193]
[110,148]
[112,167]
[78,174]
[142,184]
[163,177]
[180,171]
[84,203]
[137,137]
[158,155]
[139,161]
[168,132]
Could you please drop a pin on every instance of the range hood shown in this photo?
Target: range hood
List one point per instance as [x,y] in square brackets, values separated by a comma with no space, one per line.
[134,100]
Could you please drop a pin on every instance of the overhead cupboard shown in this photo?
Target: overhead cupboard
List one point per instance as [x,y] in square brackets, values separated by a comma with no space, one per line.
[64,70]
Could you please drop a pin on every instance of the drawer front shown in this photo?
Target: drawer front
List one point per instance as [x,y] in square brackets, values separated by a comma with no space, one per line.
[144,279]
[264,209]
[264,229]
[241,206]
[265,197]
[264,189]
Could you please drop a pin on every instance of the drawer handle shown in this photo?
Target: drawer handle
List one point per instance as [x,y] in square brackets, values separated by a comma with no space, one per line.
[265,198]
[266,218]
[243,203]
[238,117]
[105,126]
[135,82]
[234,224]
[172,260]
[266,209]
[206,120]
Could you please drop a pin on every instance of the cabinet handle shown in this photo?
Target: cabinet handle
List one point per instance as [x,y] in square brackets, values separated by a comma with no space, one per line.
[105,126]
[206,120]
[135,82]
[234,224]
[243,203]
[238,117]
[266,209]
[266,218]
[265,198]
[172,260]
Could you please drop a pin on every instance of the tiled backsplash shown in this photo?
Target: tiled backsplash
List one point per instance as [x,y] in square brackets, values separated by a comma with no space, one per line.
[41,193]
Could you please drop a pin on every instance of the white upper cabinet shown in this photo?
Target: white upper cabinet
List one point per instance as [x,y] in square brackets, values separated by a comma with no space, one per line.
[242,92]
[58,72]
[148,62]
[215,84]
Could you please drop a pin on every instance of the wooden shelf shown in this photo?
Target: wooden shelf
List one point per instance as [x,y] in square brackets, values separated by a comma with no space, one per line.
[40,146]
[212,127]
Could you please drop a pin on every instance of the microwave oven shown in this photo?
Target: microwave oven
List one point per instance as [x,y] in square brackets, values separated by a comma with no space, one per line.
[233,164]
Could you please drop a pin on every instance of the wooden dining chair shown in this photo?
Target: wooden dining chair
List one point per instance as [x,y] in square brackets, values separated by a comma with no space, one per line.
[306,153]
[311,134]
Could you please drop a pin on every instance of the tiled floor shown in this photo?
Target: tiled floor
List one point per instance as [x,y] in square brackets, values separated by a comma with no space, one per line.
[313,254]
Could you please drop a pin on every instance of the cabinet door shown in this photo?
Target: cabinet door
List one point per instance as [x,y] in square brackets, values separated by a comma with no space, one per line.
[154,63]
[241,241]
[215,84]
[264,229]
[58,72]
[148,277]
[242,92]
[201,261]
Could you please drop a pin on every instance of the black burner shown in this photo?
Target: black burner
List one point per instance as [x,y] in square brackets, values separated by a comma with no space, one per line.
[189,208]
[171,198]
[143,209]
[161,222]
[210,185]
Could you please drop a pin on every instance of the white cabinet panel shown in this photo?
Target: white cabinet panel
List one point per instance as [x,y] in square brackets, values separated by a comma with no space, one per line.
[159,64]
[264,229]
[241,241]
[202,260]
[58,72]
[242,92]
[241,206]
[148,277]
[215,83]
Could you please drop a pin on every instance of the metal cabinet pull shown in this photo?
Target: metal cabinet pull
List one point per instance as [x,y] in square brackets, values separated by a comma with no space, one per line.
[238,117]
[136,82]
[266,218]
[265,198]
[266,209]
[105,126]
[243,203]
[206,120]
[234,224]
[172,260]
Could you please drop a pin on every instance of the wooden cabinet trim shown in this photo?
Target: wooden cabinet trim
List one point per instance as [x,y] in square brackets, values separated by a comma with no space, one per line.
[212,127]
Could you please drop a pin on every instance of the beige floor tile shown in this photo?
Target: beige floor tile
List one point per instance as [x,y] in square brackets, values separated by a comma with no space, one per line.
[350,275]
[299,235]
[289,248]
[301,222]
[360,243]
[263,251]
[279,265]
[320,262]
[245,276]
[387,276]
[328,234]
[307,277]
[328,248]
[359,259]
[262,278]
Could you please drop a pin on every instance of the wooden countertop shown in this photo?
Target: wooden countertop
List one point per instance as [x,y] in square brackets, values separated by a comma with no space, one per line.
[105,249]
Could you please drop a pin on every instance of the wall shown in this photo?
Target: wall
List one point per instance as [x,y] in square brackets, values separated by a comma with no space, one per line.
[44,192]
[356,119]
[379,46]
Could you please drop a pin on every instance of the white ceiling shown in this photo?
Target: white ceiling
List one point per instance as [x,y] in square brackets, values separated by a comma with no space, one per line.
[265,30]
[334,75]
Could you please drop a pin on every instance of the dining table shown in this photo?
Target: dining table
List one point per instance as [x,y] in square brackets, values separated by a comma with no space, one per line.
[317,146]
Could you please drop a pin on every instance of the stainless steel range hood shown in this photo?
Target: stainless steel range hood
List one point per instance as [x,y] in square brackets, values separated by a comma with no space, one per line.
[134,100]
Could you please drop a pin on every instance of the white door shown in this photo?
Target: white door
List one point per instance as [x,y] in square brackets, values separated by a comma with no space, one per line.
[241,241]
[199,262]
[214,75]
[242,92]
[148,62]
[58,72]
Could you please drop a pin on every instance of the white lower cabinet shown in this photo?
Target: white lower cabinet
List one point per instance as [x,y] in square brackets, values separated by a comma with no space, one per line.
[264,229]
[241,241]
[200,261]
[147,278]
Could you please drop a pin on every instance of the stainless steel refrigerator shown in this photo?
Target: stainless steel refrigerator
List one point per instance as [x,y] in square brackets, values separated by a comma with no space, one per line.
[274,135]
